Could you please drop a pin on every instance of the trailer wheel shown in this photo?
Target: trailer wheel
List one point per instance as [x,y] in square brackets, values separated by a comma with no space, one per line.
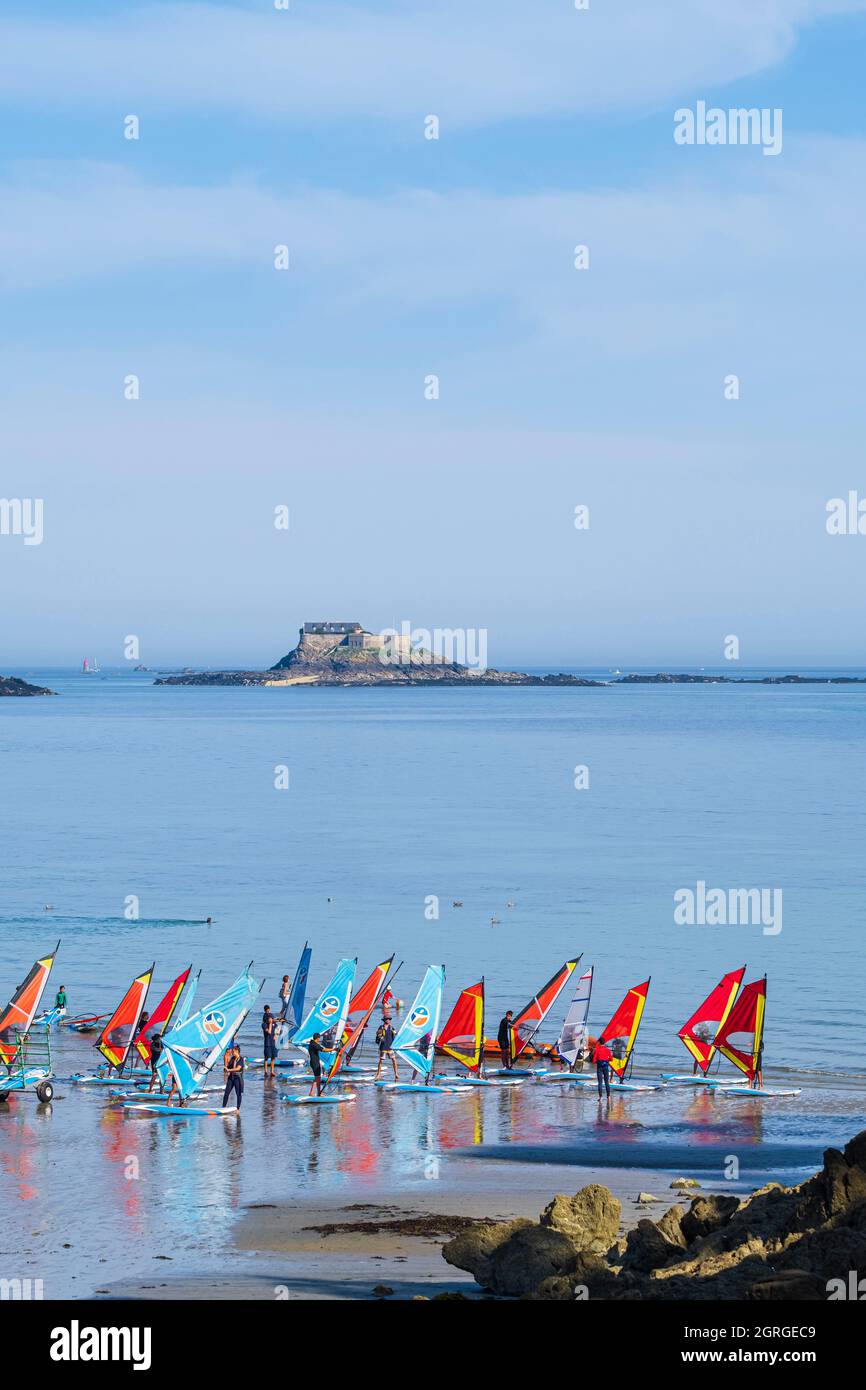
[44,1092]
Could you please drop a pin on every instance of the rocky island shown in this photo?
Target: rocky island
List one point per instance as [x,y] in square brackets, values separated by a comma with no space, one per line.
[13,685]
[337,653]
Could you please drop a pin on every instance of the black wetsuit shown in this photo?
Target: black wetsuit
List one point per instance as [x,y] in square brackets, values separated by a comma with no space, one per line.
[503,1037]
[313,1051]
[234,1082]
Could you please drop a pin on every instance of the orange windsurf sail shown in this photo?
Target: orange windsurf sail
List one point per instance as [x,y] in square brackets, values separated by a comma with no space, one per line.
[463,1034]
[530,1018]
[19,1013]
[700,1032]
[620,1033]
[116,1037]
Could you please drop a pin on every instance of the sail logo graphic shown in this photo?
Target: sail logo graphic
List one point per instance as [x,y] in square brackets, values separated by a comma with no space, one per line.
[330,1006]
[420,1017]
[214,1022]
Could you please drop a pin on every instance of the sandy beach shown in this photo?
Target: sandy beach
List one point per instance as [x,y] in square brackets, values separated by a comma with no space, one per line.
[331,1250]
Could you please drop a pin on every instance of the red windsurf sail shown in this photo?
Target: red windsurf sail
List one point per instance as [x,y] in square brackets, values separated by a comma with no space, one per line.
[160,1016]
[362,1004]
[699,1033]
[463,1034]
[19,1013]
[530,1018]
[620,1033]
[740,1036]
[116,1037]
[368,992]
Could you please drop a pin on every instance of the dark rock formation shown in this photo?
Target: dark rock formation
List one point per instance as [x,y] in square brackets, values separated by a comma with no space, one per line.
[781,1243]
[12,685]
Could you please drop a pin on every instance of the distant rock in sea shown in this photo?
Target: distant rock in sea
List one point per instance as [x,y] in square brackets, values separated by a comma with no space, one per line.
[13,685]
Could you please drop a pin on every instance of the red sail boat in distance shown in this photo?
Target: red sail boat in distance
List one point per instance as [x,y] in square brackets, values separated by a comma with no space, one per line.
[621,1032]
[700,1032]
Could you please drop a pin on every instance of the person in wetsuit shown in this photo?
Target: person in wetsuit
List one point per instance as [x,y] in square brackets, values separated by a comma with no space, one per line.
[155,1054]
[505,1040]
[269,1034]
[314,1052]
[233,1071]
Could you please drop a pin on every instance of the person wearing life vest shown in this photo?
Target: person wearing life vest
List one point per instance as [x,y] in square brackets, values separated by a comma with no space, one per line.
[602,1056]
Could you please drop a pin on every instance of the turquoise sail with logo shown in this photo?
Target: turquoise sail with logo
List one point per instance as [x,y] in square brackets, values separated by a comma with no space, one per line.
[414,1041]
[328,1014]
[191,1050]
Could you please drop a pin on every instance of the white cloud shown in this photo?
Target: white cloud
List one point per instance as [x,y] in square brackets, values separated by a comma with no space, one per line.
[675,263]
[470,61]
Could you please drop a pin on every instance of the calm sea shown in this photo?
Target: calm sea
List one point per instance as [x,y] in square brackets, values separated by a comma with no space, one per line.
[401,803]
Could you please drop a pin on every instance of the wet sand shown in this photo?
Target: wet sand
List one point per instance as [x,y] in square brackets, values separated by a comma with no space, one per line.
[332,1250]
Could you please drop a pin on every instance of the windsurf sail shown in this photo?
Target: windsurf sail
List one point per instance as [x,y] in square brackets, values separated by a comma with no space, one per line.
[186,1002]
[116,1037]
[356,1024]
[19,1013]
[368,992]
[462,1037]
[297,995]
[699,1033]
[620,1033]
[161,1016]
[741,1035]
[328,1014]
[191,1050]
[573,1036]
[530,1018]
[353,1037]
[414,1040]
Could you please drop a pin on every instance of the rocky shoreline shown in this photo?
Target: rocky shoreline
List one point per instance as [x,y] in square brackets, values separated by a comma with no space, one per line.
[372,673]
[782,1243]
[13,685]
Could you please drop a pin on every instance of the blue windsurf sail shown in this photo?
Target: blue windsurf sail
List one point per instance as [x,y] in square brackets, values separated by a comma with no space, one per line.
[414,1041]
[328,1014]
[297,996]
[186,1001]
[191,1050]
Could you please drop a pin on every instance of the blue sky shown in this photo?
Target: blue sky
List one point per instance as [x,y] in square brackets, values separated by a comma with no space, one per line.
[411,257]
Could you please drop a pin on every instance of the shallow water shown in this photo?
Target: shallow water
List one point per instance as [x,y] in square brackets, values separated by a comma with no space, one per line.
[121,788]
